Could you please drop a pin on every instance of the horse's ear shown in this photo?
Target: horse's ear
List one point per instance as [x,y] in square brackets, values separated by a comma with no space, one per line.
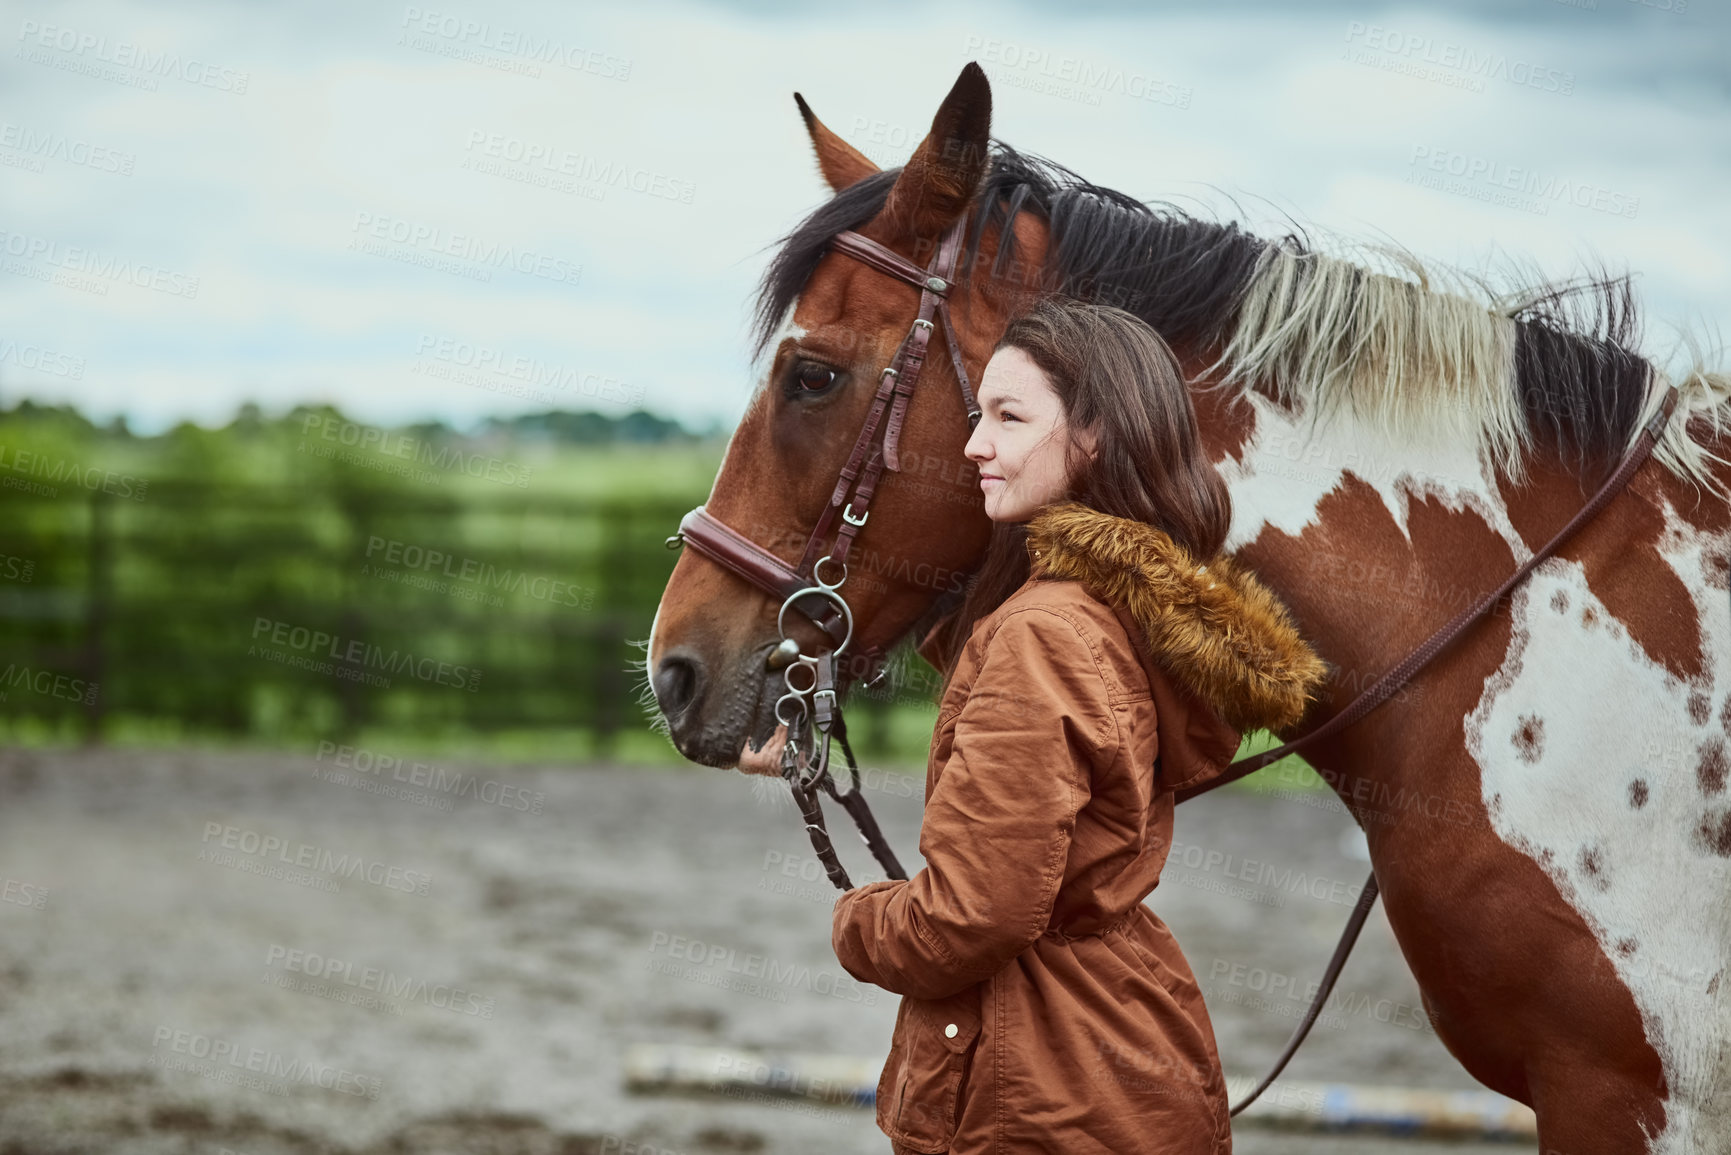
[841,163]
[942,175]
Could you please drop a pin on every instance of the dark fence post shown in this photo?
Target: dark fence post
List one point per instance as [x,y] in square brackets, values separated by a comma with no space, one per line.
[98,606]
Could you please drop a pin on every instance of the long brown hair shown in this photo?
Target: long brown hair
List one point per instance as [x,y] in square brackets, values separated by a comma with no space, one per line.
[1116,375]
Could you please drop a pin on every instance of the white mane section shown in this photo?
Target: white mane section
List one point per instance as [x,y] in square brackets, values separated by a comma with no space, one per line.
[1422,348]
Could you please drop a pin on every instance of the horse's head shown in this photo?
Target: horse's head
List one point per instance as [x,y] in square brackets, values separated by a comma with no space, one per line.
[841,321]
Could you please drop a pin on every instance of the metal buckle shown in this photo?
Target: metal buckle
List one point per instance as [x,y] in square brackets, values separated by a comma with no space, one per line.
[847,515]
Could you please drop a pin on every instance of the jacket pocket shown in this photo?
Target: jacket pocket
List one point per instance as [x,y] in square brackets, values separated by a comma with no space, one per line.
[933,1054]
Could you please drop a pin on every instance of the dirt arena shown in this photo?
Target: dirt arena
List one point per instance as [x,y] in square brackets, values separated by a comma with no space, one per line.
[272,954]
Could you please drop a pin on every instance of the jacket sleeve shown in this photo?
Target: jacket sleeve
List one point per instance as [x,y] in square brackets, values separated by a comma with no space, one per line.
[996,832]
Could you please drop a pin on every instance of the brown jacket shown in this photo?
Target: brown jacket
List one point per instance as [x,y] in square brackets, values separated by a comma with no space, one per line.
[1045,1008]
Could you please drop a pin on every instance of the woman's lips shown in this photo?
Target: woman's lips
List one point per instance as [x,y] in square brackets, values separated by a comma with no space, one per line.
[986,477]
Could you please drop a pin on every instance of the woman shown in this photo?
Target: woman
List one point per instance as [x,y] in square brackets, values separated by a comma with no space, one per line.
[1044,1007]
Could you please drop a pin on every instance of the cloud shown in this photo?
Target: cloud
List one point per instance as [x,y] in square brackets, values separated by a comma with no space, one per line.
[593,190]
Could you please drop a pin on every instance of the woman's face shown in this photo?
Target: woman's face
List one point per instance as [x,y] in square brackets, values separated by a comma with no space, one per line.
[1020,441]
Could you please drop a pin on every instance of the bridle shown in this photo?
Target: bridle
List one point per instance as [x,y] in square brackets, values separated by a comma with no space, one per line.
[814,708]
[810,708]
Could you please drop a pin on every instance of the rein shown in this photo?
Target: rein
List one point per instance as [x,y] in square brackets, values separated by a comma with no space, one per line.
[810,708]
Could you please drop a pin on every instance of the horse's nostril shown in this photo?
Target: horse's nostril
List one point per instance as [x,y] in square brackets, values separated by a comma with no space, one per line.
[676,683]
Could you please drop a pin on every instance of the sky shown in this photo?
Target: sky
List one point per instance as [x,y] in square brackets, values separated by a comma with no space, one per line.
[451,211]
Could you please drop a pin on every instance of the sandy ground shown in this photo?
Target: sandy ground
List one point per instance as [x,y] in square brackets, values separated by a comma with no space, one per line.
[169,924]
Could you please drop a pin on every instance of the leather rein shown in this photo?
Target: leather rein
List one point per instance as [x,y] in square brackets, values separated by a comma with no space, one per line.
[811,710]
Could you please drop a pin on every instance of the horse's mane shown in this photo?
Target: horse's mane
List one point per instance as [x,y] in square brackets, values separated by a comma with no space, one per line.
[1436,352]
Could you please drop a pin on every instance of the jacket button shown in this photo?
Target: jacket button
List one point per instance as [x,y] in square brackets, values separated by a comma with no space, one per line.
[950,1031]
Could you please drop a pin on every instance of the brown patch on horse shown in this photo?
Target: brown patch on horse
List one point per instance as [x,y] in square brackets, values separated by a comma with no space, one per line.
[1699,708]
[1589,616]
[1698,508]
[1593,866]
[1714,833]
[1638,793]
[1626,947]
[1650,601]
[1486,1014]
[1710,771]
[1529,738]
[1560,602]
[1225,419]
[1716,570]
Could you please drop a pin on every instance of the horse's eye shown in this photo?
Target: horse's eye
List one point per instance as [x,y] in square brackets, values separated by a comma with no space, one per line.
[814,378]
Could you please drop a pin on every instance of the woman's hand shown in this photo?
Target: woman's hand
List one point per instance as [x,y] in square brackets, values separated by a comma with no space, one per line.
[766,761]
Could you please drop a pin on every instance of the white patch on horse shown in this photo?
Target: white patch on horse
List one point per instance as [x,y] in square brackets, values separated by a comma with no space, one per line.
[1611,807]
[1294,462]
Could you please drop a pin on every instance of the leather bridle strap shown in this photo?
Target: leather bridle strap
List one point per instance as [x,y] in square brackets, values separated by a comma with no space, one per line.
[731,549]
[895,384]
[857,484]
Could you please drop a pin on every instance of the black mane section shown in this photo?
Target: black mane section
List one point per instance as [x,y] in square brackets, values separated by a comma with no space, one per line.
[1581,384]
[1182,275]
[801,249]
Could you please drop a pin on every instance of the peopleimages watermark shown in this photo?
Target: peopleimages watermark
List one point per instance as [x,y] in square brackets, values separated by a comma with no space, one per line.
[31,148]
[351,658]
[254,1067]
[1482,178]
[753,974]
[121,61]
[1287,998]
[1445,62]
[804,877]
[329,977]
[367,764]
[475,364]
[227,845]
[17,569]
[503,47]
[87,270]
[461,254]
[406,448]
[1070,77]
[536,162]
[424,561]
[42,360]
[21,893]
[47,684]
[1263,874]
[42,475]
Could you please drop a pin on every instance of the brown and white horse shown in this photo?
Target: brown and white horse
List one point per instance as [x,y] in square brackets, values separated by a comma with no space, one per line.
[1549,820]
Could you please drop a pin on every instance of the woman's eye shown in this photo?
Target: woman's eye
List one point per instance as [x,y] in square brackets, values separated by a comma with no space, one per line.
[814,378]
[1007,416]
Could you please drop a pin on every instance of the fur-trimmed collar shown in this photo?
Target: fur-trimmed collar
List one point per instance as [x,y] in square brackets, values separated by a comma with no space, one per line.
[1214,627]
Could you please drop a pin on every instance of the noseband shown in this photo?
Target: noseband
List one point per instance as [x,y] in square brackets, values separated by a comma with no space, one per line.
[810,709]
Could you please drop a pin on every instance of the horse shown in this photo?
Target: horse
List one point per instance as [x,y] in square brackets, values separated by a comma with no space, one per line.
[1548,819]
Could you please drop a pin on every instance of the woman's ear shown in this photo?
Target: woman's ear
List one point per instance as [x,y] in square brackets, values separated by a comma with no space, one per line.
[1088,439]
